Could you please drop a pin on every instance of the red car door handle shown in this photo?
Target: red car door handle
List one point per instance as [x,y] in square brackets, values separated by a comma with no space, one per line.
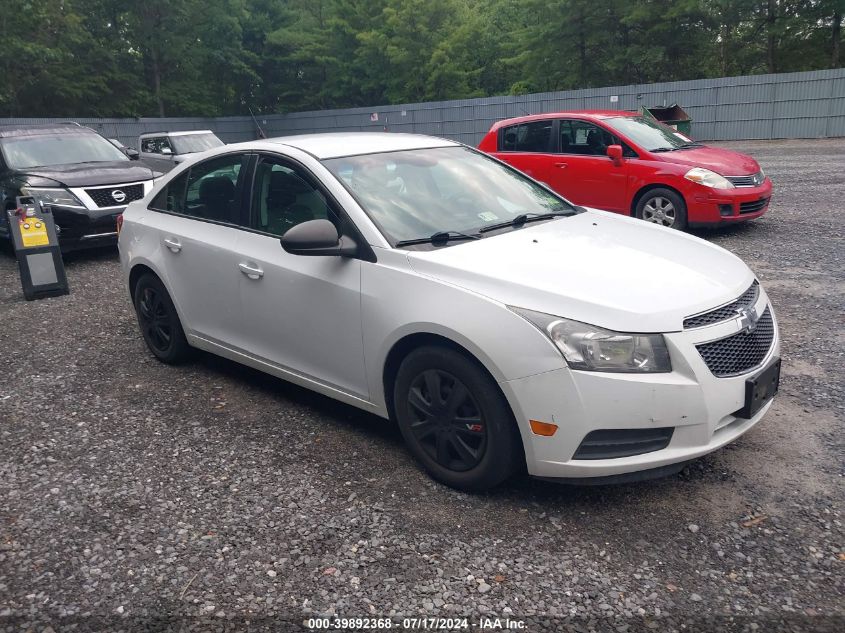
[560,165]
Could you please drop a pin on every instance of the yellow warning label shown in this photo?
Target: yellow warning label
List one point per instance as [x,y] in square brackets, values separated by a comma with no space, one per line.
[33,233]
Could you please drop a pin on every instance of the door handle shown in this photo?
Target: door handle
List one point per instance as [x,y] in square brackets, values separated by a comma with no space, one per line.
[173,244]
[251,270]
[560,165]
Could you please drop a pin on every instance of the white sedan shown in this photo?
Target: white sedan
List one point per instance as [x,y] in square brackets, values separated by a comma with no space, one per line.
[500,326]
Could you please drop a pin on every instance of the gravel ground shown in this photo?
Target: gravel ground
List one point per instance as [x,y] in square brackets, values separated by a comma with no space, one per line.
[136,496]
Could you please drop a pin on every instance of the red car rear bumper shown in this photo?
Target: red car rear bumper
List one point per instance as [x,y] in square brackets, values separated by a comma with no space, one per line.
[724,206]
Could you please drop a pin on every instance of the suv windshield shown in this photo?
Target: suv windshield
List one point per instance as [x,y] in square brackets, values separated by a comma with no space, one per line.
[190,143]
[648,134]
[41,150]
[415,194]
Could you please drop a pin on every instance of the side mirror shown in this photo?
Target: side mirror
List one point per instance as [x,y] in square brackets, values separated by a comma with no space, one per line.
[317,237]
[132,153]
[615,153]
[166,150]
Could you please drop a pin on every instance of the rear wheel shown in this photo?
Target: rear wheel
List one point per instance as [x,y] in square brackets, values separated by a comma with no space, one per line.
[455,420]
[159,321]
[664,207]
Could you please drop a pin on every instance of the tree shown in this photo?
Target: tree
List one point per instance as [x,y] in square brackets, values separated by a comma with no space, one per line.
[213,57]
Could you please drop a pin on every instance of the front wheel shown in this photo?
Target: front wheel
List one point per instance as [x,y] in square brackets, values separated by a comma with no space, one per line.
[664,207]
[455,420]
[6,243]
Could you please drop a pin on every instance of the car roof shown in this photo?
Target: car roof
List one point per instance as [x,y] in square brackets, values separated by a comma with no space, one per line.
[337,144]
[8,131]
[180,133]
[566,114]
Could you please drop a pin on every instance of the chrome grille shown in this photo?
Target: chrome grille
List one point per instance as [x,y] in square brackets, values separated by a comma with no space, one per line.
[741,352]
[104,196]
[726,312]
[754,180]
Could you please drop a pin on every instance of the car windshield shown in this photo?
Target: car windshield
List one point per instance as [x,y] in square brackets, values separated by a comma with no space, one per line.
[415,194]
[648,133]
[42,150]
[190,143]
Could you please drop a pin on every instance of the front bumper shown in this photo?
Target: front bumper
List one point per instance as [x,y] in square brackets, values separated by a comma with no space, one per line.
[691,399]
[707,206]
[86,228]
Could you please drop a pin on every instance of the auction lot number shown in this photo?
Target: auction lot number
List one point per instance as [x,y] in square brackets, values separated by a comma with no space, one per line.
[387,623]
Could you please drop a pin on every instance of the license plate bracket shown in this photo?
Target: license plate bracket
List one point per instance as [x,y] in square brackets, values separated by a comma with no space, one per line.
[760,389]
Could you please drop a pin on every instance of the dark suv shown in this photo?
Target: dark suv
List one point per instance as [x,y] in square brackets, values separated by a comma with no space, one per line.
[85,179]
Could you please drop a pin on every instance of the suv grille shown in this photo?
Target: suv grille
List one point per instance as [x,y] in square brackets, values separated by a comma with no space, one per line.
[754,180]
[725,313]
[740,352]
[753,206]
[104,196]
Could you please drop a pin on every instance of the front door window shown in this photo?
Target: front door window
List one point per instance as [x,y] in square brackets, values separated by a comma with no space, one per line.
[283,196]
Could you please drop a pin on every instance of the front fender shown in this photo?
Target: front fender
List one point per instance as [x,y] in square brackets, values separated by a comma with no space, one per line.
[503,342]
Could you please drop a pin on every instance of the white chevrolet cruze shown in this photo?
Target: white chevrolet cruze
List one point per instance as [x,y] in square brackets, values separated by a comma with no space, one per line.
[426,282]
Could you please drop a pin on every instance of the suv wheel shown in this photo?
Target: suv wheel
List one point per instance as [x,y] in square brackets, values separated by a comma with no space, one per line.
[455,420]
[159,321]
[5,233]
[663,207]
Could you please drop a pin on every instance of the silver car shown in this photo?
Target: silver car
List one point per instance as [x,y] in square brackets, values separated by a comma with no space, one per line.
[165,150]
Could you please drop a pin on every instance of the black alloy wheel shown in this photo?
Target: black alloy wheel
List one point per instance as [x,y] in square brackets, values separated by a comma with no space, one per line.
[155,321]
[159,321]
[455,419]
[447,420]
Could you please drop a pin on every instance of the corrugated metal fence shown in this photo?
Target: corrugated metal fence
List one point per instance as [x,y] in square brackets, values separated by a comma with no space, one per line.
[790,105]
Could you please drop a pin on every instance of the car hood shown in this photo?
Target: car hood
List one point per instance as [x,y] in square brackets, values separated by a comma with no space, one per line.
[722,161]
[88,174]
[596,267]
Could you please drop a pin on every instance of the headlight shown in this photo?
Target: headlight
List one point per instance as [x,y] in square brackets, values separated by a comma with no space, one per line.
[708,178]
[53,196]
[592,348]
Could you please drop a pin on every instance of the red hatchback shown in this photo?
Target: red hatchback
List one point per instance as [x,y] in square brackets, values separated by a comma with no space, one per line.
[624,162]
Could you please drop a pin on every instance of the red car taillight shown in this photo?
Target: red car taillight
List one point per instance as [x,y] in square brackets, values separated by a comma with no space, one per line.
[119,223]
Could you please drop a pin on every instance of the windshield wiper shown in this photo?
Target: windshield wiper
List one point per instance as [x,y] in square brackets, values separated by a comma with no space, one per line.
[522,218]
[438,239]
[672,149]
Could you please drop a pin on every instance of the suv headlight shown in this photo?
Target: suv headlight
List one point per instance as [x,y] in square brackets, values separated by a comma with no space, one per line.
[708,178]
[592,348]
[53,196]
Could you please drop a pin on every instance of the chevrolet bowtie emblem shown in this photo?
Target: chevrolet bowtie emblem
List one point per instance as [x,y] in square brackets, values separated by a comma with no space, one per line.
[748,318]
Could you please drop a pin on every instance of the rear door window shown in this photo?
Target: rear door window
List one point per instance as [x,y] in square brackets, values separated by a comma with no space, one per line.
[535,136]
[172,197]
[211,190]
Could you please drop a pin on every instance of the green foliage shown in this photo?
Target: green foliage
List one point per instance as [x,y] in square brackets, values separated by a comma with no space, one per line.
[217,57]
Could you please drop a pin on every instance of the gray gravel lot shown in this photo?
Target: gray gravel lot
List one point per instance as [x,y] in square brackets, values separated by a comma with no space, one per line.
[136,496]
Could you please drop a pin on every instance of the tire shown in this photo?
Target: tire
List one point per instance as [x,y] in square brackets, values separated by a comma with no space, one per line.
[159,321]
[6,244]
[465,436]
[664,207]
